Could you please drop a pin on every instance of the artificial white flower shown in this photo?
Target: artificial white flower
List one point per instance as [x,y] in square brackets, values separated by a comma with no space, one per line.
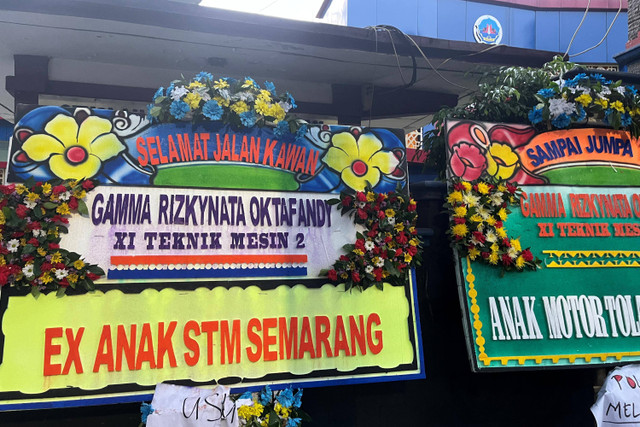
[380,262]
[491,236]
[369,245]
[470,200]
[559,106]
[496,198]
[61,273]
[285,106]
[30,204]
[621,90]
[12,245]
[513,254]
[606,90]
[392,220]
[179,92]
[368,269]
[65,196]
[225,94]
[27,270]
[483,212]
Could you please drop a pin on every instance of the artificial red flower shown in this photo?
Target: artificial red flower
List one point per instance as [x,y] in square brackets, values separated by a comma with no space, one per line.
[362,214]
[87,185]
[92,276]
[73,203]
[22,211]
[58,189]
[33,241]
[355,276]
[506,259]
[361,197]
[360,244]
[333,275]
[527,255]
[54,246]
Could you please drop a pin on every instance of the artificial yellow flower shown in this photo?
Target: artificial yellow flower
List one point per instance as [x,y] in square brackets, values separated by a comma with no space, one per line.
[41,251]
[281,410]
[78,264]
[584,99]
[399,227]
[371,196]
[407,258]
[473,253]
[56,257]
[262,107]
[264,95]
[193,100]
[390,213]
[220,84]
[466,185]
[460,230]
[515,244]
[501,232]
[79,193]
[502,188]
[221,101]
[475,218]
[460,212]
[454,197]
[32,197]
[21,188]
[46,278]
[240,107]
[601,102]
[249,83]
[483,188]
[72,278]
[493,258]
[2,218]
[491,221]
[617,105]
[2,261]
[195,84]
[502,213]
[519,262]
[277,112]
[414,242]
[358,252]
[46,188]
[63,209]
[495,248]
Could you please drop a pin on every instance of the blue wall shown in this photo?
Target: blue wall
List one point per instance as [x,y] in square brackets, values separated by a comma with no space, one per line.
[532,29]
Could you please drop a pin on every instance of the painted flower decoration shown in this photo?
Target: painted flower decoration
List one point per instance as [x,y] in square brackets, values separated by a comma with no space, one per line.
[501,161]
[74,150]
[467,161]
[359,161]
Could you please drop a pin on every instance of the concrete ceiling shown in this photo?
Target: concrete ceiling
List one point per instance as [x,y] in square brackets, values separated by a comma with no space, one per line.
[145,44]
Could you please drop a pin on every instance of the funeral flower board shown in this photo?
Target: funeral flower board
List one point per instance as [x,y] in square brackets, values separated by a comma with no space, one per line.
[547,229]
[214,240]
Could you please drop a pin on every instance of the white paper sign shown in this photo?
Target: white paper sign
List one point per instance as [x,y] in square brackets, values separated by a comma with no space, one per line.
[178,406]
[618,401]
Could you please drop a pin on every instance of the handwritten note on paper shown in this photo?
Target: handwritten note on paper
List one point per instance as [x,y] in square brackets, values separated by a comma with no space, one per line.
[619,398]
[178,406]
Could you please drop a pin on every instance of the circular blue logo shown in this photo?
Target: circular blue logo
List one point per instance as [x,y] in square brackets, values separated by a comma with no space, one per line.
[487,29]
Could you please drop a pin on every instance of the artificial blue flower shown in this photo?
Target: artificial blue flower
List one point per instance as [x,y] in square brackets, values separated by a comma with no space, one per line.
[286,397]
[170,89]
[248,118]
[547,93]
[297,399]
[253,82]
[633,90]
[580,114]
[246,395]
[300,133]
[282,129]
[159,92]
[535,115]
[598,77]
[149,116]
[561,122]
[212,110]
[270,87]
[145,410]
[265,395]
[203,75]
[294,422]
[607,114]
[290,100]
[179,109]
[608,82]
[626,120]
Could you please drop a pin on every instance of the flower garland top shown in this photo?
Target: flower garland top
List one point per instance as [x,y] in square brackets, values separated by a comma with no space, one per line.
[477,211]
[240,103]
[389,246]
[32,217]
[588,96]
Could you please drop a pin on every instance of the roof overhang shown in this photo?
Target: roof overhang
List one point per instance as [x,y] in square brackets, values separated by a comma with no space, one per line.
[125,49]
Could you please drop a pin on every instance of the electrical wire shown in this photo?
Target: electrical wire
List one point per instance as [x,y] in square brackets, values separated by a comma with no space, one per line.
[603,37]
[578,29]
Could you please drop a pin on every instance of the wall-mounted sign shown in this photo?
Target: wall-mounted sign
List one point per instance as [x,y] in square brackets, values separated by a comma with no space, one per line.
[487,29]
[213,240]
[579,214]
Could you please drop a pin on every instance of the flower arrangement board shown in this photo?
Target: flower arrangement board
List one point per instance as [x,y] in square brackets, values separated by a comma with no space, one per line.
[546,229]
[212,238]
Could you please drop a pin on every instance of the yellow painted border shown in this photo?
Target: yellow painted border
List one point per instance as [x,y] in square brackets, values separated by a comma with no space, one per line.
[593,259]
[538,359]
